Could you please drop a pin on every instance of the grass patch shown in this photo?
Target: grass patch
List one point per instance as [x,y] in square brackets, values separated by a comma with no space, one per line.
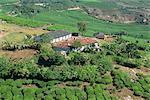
[22,21]
[62,27]
[14,37]
[7,1]
[71,18]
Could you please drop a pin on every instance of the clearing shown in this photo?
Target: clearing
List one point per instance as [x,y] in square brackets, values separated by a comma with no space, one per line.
[19,54]
[12,28]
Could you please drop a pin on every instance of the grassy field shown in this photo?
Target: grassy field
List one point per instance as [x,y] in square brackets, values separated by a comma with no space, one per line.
[71,18]
[22,21]
[67,20]
[108,4]
[134,40]
[102,4]
[7,1]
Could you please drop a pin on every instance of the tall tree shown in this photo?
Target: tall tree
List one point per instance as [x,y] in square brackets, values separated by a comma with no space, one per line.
[82,27]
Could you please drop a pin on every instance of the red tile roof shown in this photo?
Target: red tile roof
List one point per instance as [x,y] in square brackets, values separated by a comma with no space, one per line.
[69,42]
[85,41]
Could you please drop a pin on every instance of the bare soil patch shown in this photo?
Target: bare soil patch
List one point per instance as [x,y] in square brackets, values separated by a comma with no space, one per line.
[125,93]
[19,54]
[134,71]
[29,86]
[12,28]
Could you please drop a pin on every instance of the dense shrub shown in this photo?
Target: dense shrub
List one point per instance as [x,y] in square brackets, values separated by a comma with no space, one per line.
[51,59]
[147,64]
[77,59]
[88,73]
[106,79]
[5,66]
[132,63]
[121,79]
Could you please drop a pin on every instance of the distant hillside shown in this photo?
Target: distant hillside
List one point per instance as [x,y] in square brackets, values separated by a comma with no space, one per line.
[125,11]
[118,10]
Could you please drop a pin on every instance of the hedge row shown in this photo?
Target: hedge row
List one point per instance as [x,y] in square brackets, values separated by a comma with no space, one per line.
[33,89]
[140,87]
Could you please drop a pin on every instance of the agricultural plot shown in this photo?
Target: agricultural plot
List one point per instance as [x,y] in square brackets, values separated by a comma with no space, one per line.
[31,70]
[50,91]
[71,18]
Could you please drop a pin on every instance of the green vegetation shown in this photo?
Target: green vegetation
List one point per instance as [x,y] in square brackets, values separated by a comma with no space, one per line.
[42,75]
[30,90]
[71,18]
[140,87]
[7,1]
[88,75]
[22,21]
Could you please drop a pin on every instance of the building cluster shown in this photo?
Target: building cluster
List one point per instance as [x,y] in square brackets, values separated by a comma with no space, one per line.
[63,41]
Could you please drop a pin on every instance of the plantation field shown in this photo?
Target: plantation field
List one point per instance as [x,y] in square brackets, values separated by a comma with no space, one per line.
[71,18]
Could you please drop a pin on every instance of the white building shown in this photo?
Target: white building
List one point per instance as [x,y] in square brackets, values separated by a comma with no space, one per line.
[54,36]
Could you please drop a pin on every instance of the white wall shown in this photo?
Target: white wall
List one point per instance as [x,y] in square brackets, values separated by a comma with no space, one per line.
[61,38]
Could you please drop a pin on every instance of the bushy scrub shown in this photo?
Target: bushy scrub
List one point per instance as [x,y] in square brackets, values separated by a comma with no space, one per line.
[78,59]
[141,87]
[132,63]
[106,79]
[47,58]
[147,64]
[5,66]
[121,79]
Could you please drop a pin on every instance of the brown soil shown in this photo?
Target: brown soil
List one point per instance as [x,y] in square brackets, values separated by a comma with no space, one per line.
[124,93]
[2,34]
[83,85]
[63,84]
[12,28]
[19,54]
[29,86]
[134,71]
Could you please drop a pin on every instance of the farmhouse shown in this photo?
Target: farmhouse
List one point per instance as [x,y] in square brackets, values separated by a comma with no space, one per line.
[100,35]
[67,45]
[63,41]
[53,36]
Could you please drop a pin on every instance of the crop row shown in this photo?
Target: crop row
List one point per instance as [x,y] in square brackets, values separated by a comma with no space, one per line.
[33,89]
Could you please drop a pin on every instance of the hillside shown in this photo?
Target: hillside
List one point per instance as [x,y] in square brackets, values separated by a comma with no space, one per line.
[56,13]
[74,49]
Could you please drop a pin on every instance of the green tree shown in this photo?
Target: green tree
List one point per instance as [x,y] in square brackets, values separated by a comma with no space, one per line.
[82,27]
[76,44]
[52,58]
[77,59]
